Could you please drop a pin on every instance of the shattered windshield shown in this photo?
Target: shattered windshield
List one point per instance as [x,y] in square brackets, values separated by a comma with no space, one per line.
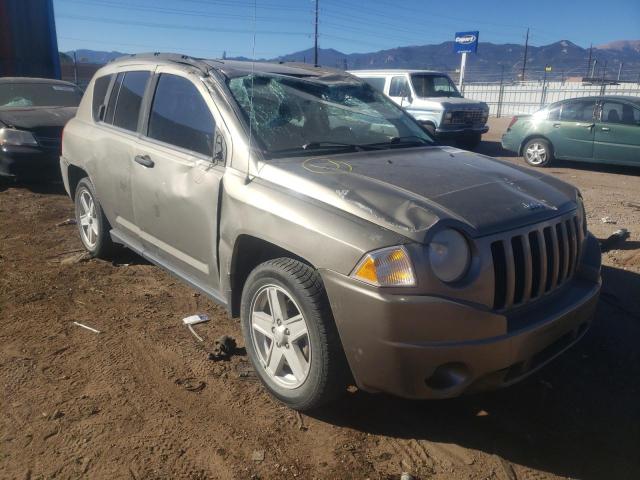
[299,116]
[428,85]
[39,94]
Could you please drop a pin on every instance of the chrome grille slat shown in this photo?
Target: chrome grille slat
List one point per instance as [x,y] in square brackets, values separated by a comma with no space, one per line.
[528,269]
[534,262]
[511,275]
[555,249]
[543,262]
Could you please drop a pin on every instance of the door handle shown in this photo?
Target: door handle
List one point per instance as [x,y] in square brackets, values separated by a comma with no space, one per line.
[556,125]
[144,160]
[605,129]
[586,125]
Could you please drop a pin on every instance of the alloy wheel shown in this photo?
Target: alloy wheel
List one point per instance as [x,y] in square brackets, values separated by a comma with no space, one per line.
[536,153]
[280,336]
[88,219]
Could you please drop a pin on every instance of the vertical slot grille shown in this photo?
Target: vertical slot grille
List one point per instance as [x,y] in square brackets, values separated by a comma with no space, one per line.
[534,263]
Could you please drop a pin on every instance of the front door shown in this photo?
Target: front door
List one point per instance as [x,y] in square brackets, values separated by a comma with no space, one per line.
[572,133]
[617,137]
[176,179]
[399,90]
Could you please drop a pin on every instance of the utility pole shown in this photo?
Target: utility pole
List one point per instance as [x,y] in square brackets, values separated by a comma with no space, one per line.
[593,68]
[75,68]
[589,61]
[315,46]
[604,71]
[524,61]
[620,70]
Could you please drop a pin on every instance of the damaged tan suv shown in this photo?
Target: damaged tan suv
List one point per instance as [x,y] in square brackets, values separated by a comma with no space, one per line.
[352,247]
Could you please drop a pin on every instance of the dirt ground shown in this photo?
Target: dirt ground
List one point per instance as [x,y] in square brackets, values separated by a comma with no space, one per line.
[142,400]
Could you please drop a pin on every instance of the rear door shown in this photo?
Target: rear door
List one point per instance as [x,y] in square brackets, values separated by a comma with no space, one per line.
[176,179]
[573,132]
[617,133]
[115,142]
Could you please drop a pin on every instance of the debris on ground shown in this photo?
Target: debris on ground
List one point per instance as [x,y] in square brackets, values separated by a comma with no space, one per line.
[224,347]
[68,221]
[257,455]
[194,320]
[87,327]
[78,258]
[608,220]
[616,237]
[191,384]
[406,476]
[301,425]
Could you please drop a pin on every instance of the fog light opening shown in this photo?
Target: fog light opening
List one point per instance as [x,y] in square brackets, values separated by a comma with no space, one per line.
[448,375]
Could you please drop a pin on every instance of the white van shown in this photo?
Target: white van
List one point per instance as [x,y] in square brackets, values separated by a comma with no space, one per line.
[433,99]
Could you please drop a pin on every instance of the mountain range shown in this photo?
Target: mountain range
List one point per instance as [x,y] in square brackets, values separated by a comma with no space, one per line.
[565,58]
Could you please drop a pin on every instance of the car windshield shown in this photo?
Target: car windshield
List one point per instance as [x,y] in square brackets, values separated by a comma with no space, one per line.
[305,116]
[429,85]
[39,94]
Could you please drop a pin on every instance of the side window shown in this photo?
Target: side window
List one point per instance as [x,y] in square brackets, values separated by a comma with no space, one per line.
[554,112]
[399,87]
[375,82]
[100,87]
[130,99]
[115,91]
[578,111]
[614,112]
[180,116]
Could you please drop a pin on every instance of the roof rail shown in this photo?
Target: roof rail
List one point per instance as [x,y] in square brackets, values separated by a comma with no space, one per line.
[198,63]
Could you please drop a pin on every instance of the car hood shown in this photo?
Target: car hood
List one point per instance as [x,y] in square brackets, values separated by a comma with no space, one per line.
[410,190]
[28,118]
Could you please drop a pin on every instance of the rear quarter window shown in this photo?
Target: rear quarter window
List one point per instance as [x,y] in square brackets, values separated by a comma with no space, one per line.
[100,87]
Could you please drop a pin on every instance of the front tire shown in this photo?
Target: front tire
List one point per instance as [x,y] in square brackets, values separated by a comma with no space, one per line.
[93,226]
[538,152]
[290,335]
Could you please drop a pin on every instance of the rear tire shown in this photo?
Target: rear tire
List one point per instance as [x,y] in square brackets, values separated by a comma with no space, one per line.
[294,347]
[93,226]
[538,152]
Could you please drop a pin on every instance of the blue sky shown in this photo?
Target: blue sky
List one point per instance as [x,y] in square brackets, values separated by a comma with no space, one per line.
[209,27]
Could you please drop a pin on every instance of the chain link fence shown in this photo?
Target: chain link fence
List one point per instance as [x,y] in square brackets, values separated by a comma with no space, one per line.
[512,99]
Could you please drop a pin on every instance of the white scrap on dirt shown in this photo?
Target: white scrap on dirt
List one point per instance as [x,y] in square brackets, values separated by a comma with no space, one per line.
[194,320]
[87,327]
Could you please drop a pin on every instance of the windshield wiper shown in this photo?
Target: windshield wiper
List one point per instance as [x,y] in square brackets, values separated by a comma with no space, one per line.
[404,138]
[322,144]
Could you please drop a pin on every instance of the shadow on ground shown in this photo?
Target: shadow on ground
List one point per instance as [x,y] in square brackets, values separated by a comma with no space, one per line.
[578,417]
[494,149]
[44,187]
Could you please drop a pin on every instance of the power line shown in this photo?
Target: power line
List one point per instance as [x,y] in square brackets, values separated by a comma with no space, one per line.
[177,27]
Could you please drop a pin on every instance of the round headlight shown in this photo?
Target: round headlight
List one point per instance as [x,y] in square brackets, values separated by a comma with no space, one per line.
[449,255]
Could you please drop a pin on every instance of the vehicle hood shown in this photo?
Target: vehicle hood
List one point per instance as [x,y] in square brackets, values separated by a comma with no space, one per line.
[29,118]
[410,190]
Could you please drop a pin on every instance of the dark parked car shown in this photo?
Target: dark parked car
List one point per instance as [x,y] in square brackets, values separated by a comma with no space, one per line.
[33,112]
[590,129]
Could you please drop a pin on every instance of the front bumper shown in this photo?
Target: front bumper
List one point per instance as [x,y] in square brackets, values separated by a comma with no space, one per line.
[457,131]
[430,347]
[29,162]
